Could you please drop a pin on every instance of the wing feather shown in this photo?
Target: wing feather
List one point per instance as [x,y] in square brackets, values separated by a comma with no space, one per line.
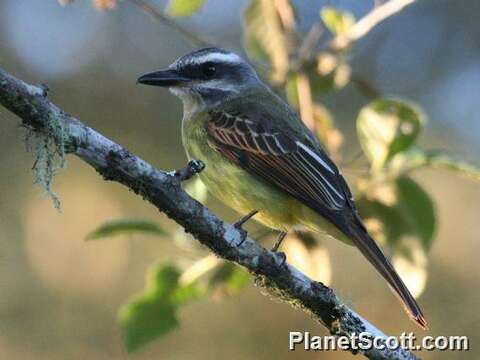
[289,164]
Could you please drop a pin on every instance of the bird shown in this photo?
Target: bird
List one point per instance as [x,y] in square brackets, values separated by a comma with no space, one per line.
[262,160]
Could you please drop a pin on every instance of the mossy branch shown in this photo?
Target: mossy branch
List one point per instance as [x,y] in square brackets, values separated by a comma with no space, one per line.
[67,135]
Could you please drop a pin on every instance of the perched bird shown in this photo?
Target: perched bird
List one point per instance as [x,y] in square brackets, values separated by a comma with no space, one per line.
[260,157]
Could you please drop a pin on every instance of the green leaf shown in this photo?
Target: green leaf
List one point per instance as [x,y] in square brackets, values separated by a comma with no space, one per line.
[230,277]
[393,223]
[418,209]
[125,226]
[154,312]
[265,38]
[387,127]
[184,7]
[412,213]
[436,159]
[338,22]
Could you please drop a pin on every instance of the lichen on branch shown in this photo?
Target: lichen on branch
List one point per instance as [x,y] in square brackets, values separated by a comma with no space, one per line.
[48,149]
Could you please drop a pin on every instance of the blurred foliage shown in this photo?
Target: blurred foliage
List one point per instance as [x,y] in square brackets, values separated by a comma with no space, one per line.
[184,7]
[403,208]
[125,226]
[398,211]
[387,127]
[228,279]
[266,37]
[415,157]
[337,22]
[153,313]
[306,252]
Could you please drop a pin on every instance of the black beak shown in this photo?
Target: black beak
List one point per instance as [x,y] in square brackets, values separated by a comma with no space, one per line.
[165,78]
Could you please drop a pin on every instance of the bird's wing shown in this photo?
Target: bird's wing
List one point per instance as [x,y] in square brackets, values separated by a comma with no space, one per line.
[293,165]
[303,170]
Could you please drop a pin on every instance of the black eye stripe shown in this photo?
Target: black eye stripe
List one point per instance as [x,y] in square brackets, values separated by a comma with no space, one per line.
[204,69]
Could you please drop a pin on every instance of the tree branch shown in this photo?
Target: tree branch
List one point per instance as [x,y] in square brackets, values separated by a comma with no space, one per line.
[367,23]
[163,190]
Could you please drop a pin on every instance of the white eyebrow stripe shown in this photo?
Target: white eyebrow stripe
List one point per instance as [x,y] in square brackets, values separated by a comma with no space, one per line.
[218,57]
[316,157]
[219,84]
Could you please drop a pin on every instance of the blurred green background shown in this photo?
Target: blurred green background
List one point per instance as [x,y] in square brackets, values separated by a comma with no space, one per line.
[59,294]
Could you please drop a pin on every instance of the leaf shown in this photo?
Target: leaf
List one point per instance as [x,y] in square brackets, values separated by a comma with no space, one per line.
[387,127]
[412,213]
[230,278]
[184,7]
[265,38]
[154,312]
[337,22]
[308,255]
[384,222]
[125,226]
[441,160]
[412,269]
[436,159]
[418,209]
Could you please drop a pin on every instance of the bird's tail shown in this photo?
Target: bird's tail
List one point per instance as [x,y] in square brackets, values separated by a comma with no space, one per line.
[372,252]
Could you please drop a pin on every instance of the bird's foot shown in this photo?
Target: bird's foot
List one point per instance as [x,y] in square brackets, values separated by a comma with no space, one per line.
[193,167]
[276,245]
[238,225]
[278,241]
[245,218]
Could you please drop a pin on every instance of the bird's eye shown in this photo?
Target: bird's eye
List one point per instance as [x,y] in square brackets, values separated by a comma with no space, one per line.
[209,70]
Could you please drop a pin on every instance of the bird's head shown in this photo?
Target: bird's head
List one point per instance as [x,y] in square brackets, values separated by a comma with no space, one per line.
[205,77]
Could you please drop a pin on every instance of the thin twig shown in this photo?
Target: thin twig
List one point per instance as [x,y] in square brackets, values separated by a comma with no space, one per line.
[307,48]
[366,87]
[362,27]
[286,14]
[339,43]
[311,40]
[159,16]
[367,23]
[305,101]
